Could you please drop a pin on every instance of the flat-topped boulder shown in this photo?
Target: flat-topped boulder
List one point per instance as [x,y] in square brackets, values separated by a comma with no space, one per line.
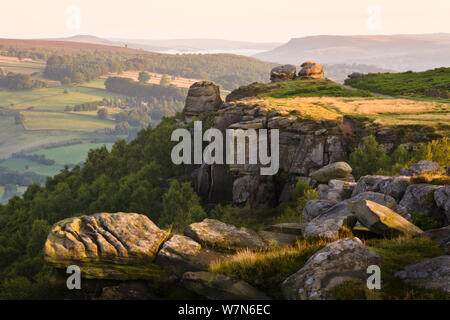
[202,97]
[216,234]
[283,73]
[106,245]
[382,220]
[311,70]
[421,167]
[336,170]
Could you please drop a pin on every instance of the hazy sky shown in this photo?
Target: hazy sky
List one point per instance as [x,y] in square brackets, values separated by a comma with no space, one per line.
[253,20]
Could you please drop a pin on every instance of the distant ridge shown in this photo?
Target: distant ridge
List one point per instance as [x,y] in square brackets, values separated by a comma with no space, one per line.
[398,52]
[67,45]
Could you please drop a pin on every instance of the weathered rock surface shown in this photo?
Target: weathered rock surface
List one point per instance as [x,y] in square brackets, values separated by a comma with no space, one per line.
[340,261]
[336,190]
[283,73]
[327,224]
[127,290]
[382,220]
[441,236]
[355,75]
[442,199]
[421,167]
[181,254]
[311,70]
[334,170]
[202,97]
[314,208]
[106,245]
[419,198]
[428,273]
[214,233]
[395,186]
[214,286]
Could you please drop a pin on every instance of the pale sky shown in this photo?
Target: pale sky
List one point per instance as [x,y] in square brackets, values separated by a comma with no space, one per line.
[250,20]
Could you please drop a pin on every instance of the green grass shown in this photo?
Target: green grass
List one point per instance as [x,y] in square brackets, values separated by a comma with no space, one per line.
[70,154]
[396,254]
[64,121]
[54,99]
[409,84]
[266,270]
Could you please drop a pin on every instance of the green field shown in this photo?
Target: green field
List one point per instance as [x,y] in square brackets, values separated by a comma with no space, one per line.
[54,99]
[63,121]
[70,154]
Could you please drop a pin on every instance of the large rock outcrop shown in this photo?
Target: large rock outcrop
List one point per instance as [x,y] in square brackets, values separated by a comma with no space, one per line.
[339,261]
[216,234]
[106,245]
[283,73]
[311,70]
[202,97]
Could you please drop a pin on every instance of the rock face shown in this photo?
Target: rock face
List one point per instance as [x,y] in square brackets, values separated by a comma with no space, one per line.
[382,220]
[332,171]
[315,208]
[214,286]
[419,198]
[214,233]
[442,199]
[203,97]
[311,70]
[283,73]
[327,224]
[421,167]
[428,273]
[181,254]
[394,186]
[340,261]
[106,245]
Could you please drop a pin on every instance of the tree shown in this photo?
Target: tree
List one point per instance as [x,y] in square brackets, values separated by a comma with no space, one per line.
[369,159]
[143,77]
[181,206]
[165,81]
[102,113]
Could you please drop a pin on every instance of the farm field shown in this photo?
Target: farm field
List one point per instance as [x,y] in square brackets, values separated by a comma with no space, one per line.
[54,99]
[70,154]
[25,165]
[14,138]
[27,66]
[63,121]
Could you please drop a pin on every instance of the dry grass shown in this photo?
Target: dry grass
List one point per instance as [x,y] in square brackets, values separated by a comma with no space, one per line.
[155,78]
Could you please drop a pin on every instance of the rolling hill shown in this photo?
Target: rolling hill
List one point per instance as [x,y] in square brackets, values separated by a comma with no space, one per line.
[396,52]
